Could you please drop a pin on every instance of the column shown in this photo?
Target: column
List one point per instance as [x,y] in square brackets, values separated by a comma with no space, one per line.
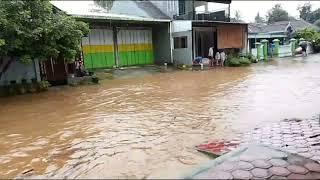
[258,46]
[276,43]
[293,46]
[264,42]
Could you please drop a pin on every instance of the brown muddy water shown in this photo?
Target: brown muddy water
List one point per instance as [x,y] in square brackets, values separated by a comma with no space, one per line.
[146,126]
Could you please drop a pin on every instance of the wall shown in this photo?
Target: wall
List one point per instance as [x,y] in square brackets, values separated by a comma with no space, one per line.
[231,36]
[183,55]
[161,43]
[18,71]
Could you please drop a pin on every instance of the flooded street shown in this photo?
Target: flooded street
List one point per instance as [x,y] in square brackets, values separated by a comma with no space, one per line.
[147,126]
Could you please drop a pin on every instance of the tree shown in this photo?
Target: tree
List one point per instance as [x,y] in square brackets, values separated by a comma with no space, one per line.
[277,13]
[305,11]
[317,23]
[259,19]
[314,16]
[30,29]
[310,35]
[106,4]
[237,16]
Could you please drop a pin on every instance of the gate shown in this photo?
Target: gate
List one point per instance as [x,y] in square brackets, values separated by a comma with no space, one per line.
[135,47]
[98,49]
[54,70]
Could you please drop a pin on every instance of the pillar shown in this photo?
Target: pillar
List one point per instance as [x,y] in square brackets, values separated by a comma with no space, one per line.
[276,43]
[293,46]
[264,42]
[258,46]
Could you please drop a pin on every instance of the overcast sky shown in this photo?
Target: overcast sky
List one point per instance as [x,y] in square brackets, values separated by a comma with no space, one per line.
[249,9]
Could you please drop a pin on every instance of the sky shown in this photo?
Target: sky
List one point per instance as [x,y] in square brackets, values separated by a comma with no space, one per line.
[249,9]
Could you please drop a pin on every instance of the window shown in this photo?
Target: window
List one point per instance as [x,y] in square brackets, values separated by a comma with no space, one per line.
[182,7]
[180,42]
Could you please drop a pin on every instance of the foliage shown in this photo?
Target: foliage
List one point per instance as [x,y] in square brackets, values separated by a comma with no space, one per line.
[104,4]
[251,58]
[317,23]
[30,29]
[277,13]
[244,61]
[310,35]
[237,16]
[259,19]
[315,15]
[43,85]
[305,11]
[236,61]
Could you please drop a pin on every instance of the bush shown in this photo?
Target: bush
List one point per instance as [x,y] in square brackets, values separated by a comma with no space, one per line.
[244,62]
[236,62]
[233,62]
[43,85]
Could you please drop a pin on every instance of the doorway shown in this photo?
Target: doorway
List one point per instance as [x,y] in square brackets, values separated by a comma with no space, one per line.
[204,38]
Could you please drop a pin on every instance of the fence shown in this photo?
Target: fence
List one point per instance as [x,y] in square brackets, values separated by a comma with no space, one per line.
[285,50]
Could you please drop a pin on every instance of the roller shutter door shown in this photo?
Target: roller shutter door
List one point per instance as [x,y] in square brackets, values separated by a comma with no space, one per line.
[135,47]
[98,49]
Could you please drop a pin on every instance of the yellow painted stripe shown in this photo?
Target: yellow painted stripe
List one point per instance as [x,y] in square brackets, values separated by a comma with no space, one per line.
[97,48]
[134,47]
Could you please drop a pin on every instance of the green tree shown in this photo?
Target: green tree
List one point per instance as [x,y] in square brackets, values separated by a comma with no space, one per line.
[317,23]
[259,19]
[305,11]
[315,15]
[277,13]
[30,29]
[311,35]
[106,4]
[237,16]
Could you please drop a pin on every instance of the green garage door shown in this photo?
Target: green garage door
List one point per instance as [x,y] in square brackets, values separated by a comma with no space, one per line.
[98,49]
[135,47]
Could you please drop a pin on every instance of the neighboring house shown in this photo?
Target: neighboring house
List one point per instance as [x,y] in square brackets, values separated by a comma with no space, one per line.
[283,30]
[17,71]
[128,33]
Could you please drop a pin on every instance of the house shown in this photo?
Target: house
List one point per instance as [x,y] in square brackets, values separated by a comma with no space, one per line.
[128,33]
[282,30]
[200,25]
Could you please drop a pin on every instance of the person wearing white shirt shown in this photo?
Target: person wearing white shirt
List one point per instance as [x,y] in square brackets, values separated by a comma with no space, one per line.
[222,57]
[210,55]
[217,58]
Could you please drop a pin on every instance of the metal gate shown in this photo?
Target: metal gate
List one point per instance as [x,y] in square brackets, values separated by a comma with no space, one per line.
[98,49]
[135,47]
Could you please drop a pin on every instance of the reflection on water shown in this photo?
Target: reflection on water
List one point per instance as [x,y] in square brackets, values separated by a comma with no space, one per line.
[144,126]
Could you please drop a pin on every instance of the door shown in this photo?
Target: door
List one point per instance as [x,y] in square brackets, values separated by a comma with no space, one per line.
[135,47]
[98,49]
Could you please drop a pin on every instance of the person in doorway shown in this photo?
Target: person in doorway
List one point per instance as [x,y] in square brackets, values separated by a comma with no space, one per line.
[222,57]
[217,58]
[210,56]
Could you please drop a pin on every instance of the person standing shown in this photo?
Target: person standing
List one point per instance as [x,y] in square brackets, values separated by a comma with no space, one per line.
[210,55]
[217,57]
[222,57]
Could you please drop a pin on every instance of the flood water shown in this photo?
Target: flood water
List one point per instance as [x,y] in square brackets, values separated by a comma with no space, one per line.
[146,126]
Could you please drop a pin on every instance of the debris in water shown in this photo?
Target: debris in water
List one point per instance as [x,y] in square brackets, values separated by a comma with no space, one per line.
[314,136]
[27,171]
[217,147]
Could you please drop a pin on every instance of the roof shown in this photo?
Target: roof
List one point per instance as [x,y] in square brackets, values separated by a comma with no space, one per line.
[129,10]
[279,26]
